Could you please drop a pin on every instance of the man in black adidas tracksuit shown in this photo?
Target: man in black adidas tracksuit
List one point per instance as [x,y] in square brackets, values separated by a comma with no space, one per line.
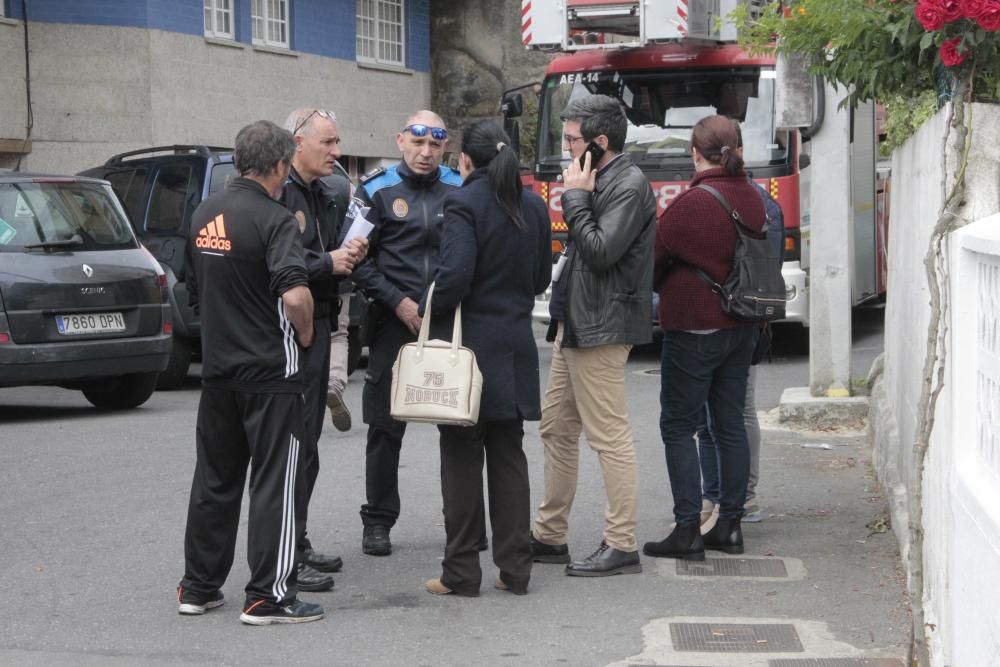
[249,284]
[319,214]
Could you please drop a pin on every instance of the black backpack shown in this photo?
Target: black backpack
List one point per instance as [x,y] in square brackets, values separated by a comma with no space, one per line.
[754,290]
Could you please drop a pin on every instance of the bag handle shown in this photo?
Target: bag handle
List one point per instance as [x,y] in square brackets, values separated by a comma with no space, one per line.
[425,328]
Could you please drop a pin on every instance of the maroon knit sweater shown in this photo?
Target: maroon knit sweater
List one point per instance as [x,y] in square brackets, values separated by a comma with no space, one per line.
[695,229]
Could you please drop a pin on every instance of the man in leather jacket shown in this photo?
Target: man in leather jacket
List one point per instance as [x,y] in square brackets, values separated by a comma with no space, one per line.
[319,214]
[600,307]
[407,208]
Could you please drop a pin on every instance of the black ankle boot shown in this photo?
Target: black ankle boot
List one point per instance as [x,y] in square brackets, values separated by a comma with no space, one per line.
[684,543]
[726,535]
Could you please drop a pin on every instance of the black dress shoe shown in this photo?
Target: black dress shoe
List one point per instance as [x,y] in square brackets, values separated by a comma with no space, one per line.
[322,562]
[726,535]
[605,562]
[684,542]
[311,581]
[548,553]
[375,541]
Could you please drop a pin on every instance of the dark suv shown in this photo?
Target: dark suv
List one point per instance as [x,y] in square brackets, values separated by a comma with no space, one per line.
[82,305]
[160,187]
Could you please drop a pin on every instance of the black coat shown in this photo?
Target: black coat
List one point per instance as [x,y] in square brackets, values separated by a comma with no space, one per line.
[494,270]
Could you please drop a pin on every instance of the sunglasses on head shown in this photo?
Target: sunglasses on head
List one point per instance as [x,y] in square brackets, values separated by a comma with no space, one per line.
[418,130]
[322,113]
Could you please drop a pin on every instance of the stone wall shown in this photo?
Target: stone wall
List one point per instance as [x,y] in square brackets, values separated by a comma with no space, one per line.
[476,54]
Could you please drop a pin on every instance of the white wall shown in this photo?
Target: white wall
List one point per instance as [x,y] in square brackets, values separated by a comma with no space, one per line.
[100,90]
[961,533]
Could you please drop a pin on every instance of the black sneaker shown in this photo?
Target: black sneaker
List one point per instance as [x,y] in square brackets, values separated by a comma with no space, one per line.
[312,581]
[192,604]
[375,541]
[265,612]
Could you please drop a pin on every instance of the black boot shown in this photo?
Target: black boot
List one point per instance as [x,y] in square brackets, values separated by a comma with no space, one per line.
[684,543]
[726,535]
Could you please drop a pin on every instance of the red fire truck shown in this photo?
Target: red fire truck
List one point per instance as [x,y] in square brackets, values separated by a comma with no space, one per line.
[671,62]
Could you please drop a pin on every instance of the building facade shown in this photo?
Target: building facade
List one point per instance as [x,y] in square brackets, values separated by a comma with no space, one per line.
[92,78]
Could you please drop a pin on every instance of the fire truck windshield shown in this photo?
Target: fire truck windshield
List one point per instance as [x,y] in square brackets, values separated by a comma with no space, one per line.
[662,107]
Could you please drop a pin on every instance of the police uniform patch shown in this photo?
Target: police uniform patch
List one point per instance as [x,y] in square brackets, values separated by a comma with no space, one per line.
[400,208]
[301,217]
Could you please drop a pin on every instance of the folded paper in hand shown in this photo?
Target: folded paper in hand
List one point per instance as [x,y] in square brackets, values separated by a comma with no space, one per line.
[360,227]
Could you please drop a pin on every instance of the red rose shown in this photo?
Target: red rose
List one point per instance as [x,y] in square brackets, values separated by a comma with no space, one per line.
[949,53]
[930,13]
[973,8]
[989,18]
[952,10]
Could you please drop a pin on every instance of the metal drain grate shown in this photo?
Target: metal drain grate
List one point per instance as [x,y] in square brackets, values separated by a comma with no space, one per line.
[733,567]
[735,637]
[835,662]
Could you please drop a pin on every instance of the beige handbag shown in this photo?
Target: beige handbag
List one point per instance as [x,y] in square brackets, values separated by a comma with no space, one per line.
[434,381]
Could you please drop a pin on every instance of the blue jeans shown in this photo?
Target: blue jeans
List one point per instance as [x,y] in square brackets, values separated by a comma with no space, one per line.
[697,369]
[708,453]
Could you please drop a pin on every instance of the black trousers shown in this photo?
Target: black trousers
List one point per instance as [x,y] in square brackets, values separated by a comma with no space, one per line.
[235,429]
[463,452]
[315,363]
[385,434]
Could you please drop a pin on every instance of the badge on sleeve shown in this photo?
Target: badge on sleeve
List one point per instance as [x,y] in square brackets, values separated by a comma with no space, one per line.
[400,208]
[301,217]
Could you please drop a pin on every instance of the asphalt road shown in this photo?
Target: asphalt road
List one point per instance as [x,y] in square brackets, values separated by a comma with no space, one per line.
[92,509]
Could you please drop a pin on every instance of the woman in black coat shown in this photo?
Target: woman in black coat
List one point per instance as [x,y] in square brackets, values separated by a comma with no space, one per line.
[495,257]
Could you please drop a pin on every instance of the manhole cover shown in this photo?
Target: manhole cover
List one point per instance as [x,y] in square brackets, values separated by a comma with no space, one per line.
[735,637]
[733,567]
[835,662]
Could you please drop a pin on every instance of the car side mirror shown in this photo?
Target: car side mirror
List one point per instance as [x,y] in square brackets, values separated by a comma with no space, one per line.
[512,105]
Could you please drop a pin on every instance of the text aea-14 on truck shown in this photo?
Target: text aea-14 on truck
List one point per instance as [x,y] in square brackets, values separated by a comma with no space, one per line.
[672,62]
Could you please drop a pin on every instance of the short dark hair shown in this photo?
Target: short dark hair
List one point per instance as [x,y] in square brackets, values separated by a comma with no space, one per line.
[597,115]
[261,146]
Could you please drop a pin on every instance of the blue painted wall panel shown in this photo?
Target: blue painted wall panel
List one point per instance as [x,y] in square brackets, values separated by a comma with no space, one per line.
[321,27]
[418,35]
[91,12]
[324,28]
[177,16]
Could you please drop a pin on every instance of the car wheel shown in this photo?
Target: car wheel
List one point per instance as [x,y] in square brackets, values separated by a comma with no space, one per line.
[175,373]
[354,347]
[122,392]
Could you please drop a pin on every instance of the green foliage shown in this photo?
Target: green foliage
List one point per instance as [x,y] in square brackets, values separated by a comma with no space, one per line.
[878,49]
[529,128]
[904,115]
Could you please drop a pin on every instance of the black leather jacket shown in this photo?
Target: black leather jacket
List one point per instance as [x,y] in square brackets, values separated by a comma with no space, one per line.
[407,211]
[319,210]
[613,230]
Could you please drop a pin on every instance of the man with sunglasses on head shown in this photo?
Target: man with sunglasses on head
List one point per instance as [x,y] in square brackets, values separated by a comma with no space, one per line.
[407,208]
[319,212]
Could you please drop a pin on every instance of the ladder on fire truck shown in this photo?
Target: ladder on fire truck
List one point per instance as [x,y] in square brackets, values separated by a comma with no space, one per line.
[574,25]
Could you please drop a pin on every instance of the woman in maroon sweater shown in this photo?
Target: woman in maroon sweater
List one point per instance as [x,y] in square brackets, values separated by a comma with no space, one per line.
[706,353]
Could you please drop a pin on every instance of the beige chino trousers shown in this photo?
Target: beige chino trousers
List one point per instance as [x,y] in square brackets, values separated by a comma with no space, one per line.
[586,394]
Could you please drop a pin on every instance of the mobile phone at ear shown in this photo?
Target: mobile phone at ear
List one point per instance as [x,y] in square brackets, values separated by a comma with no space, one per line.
[596,153]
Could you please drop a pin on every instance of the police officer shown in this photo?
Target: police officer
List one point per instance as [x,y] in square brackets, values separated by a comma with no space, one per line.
[319,216]
[249,283]
[407,207]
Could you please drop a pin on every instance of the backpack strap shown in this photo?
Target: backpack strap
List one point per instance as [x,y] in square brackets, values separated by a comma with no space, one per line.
[734,216]
[722,200]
